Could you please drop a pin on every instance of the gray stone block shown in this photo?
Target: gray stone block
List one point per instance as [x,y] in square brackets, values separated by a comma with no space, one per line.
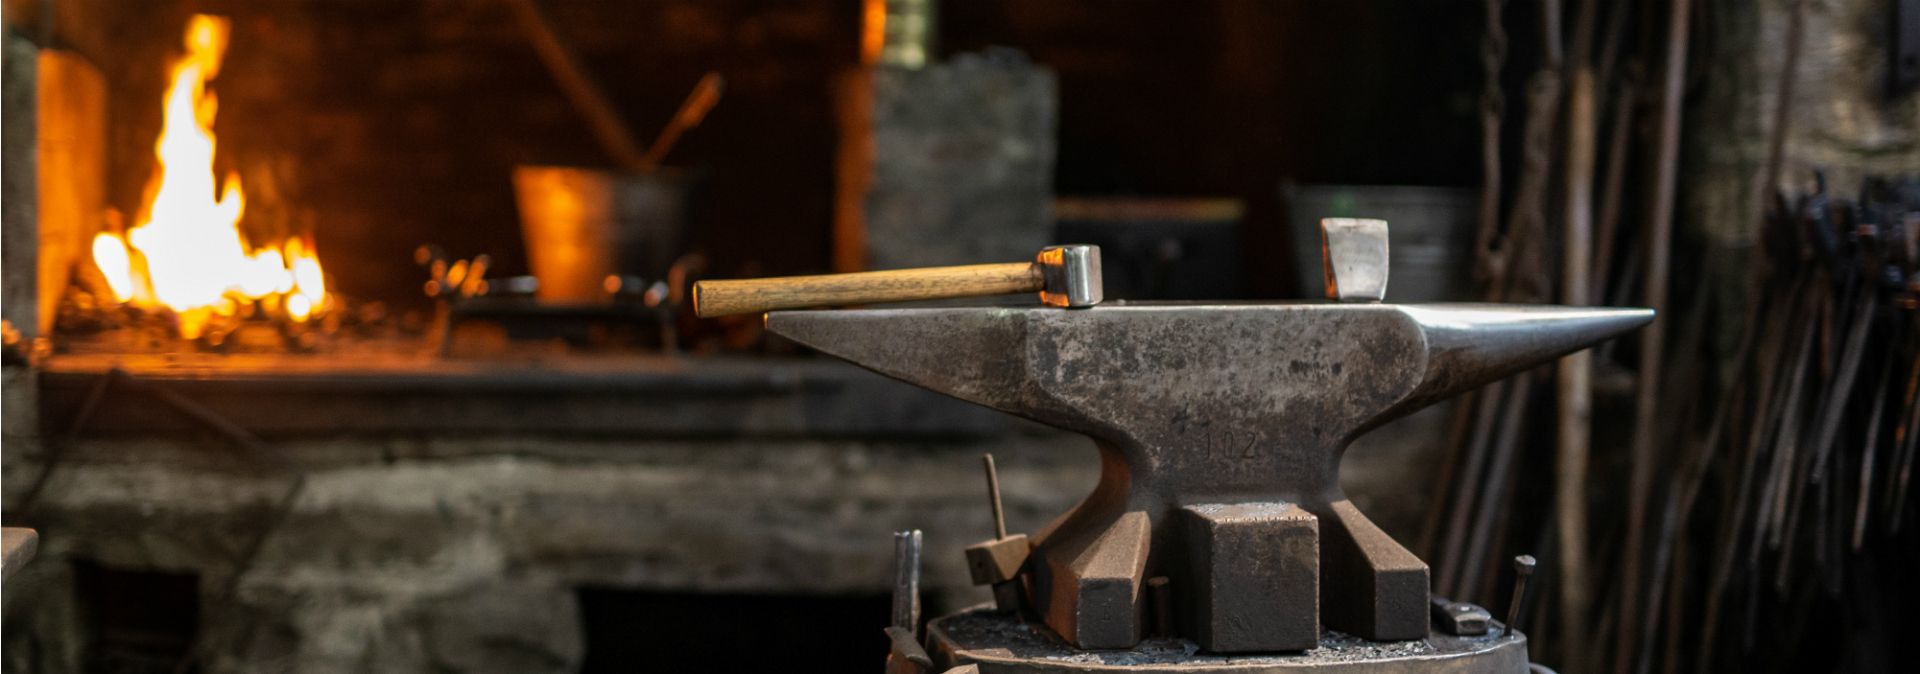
[962,164]
[19,217]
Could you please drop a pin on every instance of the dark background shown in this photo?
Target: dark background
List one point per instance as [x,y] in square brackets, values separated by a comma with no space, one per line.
[381,125]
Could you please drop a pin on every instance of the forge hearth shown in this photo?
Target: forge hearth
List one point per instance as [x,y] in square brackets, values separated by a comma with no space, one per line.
[186,253]
[424,481]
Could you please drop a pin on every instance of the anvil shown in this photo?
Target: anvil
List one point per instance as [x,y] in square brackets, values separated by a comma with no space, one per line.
[1220,428]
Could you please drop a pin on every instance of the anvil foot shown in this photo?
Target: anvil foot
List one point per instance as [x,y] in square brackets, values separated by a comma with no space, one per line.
[1374,587]
[1088,587]
[1253,577]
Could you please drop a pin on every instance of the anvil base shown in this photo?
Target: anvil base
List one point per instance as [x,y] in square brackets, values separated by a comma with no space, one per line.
[1003,643]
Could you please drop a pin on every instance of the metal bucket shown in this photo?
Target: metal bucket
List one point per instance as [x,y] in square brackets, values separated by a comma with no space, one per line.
[584,225]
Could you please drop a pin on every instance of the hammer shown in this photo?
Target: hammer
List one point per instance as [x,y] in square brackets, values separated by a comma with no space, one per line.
[1065,276]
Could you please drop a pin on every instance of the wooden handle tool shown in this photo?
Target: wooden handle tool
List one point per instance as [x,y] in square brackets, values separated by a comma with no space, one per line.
[1065,276]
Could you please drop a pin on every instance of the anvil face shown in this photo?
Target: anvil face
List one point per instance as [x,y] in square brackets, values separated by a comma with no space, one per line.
[1221,428]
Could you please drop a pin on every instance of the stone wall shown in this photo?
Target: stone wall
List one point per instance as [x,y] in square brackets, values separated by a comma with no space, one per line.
[947,164]
[19,233]
[462,553]
[1842,121]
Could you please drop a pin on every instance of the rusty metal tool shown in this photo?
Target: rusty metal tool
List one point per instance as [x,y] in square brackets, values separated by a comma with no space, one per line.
[586,94]
[905,655]
[906,579]
[1220,429]
[1160,599]
[18,544]
[1574,379]
[1459,618]
[705,94]
[1657,252]
[1064,276]
[998,561]
[1900,460]
[1522,570]
[449,284]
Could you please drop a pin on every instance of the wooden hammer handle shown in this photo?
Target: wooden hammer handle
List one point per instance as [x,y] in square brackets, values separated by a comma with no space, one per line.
[750,296]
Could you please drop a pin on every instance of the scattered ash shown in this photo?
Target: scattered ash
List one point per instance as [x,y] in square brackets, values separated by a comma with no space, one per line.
[994,637]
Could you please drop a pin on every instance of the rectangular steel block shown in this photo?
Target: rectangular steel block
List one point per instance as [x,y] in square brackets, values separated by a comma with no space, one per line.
[998,560]
[1253,577]
[1376,589]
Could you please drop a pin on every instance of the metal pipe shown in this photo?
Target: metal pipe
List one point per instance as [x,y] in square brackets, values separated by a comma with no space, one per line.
[1574,404]
[993,496]
[1658,241]
[1522,569]
[906,580]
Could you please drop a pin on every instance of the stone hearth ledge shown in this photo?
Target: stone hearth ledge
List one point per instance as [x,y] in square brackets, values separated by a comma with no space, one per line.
[657,396]
[450,510]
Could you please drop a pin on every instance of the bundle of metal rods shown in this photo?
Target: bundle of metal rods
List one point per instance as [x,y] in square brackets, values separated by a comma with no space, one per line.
[1805,454]
[1741,488]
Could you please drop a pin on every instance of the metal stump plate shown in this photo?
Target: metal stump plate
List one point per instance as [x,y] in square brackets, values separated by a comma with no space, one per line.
[1002,643]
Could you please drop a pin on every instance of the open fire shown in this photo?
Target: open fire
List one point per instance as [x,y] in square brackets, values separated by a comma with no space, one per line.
[187,255]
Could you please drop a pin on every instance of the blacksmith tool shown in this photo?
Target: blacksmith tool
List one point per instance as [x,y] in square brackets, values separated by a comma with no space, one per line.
[1459,618]
[1353,255]
[17,545]
[705,94]
[905,655]
[1064,276]
[1220,429]
[1522,570]
[997,562]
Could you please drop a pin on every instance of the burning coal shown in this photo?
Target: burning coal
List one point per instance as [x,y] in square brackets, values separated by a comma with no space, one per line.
[187,254]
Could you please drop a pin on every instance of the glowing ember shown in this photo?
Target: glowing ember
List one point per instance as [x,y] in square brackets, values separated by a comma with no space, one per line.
[188,254]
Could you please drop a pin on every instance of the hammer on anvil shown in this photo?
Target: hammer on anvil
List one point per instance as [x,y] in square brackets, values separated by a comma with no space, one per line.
[1220,429]
[1064,276]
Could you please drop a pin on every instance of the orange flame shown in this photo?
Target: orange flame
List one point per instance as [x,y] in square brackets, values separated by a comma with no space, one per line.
[188,254]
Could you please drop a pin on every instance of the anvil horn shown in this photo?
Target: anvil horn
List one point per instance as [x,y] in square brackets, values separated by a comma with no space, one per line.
[1469,345]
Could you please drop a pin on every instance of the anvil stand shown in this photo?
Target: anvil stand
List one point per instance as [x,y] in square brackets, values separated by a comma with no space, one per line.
[1220,429]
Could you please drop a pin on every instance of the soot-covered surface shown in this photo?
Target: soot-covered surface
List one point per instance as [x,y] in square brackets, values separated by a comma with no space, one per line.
[982,635]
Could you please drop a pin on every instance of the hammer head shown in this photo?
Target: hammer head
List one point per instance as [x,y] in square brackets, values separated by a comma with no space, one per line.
[1072,274]
[1353,253]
